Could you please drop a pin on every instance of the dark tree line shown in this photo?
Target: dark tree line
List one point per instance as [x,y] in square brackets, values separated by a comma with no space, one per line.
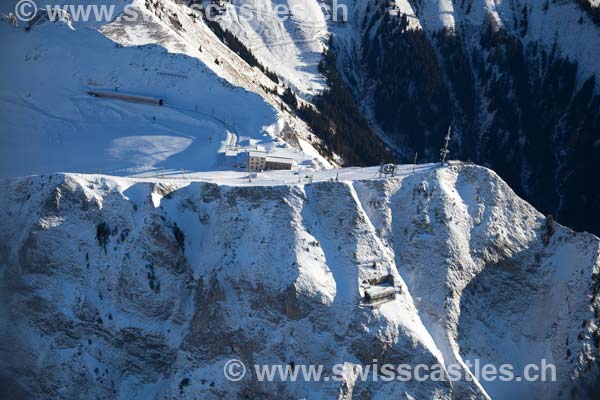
[340,123]
[231,41]
[545,132]
[289,98]
[515,107]
[593,12]
[411,101]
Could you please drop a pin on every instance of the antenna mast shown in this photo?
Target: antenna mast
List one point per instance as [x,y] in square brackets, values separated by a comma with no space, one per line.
[444,151]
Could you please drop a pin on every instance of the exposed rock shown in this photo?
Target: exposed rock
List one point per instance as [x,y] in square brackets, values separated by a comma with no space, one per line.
[276,275]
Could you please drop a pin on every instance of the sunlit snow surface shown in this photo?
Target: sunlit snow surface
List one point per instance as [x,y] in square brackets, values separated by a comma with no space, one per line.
[50,123]
[475,281]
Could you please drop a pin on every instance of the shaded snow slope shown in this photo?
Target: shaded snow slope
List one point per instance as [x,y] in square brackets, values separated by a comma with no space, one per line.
[123,288]
[179,29]
[289,44]
[292,46]
[47,113]
[214,101]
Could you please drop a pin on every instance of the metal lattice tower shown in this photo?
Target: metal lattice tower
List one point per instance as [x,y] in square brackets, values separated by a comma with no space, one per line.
[444,151]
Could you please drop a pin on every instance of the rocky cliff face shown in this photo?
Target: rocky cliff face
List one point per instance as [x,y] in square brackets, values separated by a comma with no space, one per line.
[114,288]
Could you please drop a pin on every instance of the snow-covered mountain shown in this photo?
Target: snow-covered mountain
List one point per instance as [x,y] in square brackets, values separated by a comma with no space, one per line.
[515,79]
[142,280]
[117,288]
[214,100]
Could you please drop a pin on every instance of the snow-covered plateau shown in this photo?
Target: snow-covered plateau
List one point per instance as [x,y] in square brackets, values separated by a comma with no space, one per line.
[135,289]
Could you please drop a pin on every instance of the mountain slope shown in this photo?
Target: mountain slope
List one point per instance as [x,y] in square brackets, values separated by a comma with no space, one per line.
[145,289]
[515,79]
[213,100]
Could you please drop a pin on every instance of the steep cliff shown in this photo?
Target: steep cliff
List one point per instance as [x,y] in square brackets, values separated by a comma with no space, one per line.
[517,80]
[117,288]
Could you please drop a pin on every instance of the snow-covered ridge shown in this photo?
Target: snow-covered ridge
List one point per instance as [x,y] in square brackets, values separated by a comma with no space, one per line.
[116,288]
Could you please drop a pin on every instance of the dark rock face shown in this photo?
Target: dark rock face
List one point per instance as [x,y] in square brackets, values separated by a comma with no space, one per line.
[515,105]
